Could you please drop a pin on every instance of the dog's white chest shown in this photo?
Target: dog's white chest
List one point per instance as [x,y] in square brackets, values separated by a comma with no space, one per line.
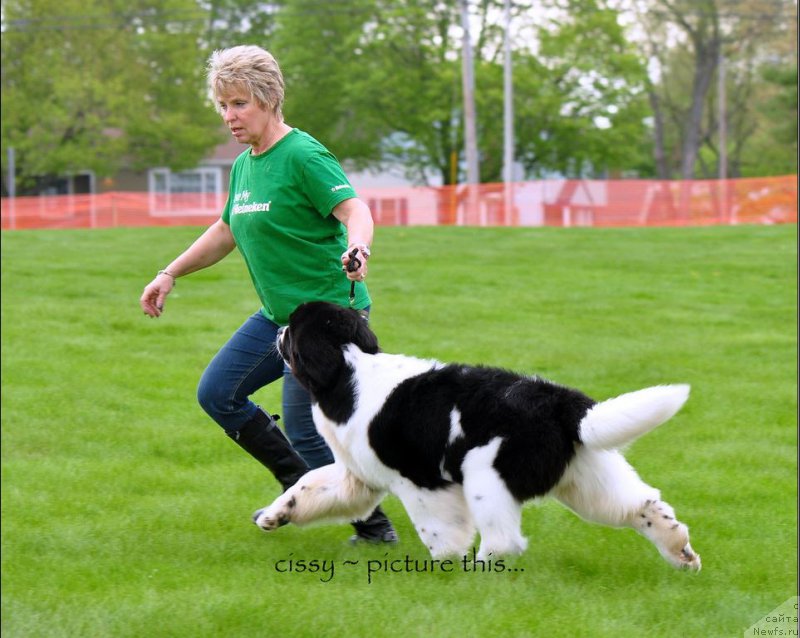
[349,443]
[376,376]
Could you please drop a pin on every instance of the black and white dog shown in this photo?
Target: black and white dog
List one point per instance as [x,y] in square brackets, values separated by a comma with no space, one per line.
[463,447]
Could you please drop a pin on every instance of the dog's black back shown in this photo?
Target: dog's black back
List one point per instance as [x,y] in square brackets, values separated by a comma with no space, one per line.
[537,420]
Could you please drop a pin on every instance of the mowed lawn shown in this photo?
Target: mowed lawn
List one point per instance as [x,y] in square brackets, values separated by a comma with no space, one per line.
[126,511]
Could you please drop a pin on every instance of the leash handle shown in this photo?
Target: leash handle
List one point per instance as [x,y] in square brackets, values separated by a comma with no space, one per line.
[353,265]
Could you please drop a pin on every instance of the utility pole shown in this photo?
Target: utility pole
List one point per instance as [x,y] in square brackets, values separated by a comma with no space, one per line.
[12,188]
[11,185]
[508,121]
[508,102]
[723,138]
[722,115]
[468,81]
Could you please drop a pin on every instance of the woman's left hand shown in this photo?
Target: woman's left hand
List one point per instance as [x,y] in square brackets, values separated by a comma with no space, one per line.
[354,262]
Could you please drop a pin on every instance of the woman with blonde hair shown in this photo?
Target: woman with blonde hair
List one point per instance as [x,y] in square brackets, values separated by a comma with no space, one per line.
[298,224]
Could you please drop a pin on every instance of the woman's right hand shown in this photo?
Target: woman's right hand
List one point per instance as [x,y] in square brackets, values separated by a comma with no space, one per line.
[214,244]
[155,293]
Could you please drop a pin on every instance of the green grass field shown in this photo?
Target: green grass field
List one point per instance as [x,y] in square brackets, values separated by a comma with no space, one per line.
[126,511]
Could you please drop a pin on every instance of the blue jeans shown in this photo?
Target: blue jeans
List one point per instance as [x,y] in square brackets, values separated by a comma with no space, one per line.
[246,363]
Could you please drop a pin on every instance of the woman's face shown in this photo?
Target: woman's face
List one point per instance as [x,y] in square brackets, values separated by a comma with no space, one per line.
[248,121]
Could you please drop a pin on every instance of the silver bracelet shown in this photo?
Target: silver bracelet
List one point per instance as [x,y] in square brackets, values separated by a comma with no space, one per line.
[169,274]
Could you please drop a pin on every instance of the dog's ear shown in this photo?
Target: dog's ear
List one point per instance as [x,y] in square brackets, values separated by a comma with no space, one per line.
[317,367]
[317,331]
[363,336]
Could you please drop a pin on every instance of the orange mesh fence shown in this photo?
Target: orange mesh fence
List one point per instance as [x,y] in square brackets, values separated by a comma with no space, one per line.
[769,200]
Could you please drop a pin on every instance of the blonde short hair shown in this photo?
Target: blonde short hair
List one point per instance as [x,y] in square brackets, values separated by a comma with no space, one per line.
[249,68]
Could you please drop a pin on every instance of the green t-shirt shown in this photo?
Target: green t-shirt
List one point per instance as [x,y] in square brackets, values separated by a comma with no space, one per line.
[279,211]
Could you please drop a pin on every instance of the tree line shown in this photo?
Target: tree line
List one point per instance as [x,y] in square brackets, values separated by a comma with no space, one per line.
[601,88]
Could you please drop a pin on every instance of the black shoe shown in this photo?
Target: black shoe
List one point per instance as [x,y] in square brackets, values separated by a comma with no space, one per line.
[377,528]
[263,440]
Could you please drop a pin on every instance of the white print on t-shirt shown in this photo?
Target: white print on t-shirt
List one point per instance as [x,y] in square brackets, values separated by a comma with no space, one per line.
[339,187]
[256,207]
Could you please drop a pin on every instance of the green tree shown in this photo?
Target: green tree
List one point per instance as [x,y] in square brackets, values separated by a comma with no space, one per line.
[773,148]
[686,40]
[94,85]
[380,82]
[232,22]
[584,102]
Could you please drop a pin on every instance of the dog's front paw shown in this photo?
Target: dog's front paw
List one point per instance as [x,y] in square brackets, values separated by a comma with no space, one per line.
[268,522]
[275,515]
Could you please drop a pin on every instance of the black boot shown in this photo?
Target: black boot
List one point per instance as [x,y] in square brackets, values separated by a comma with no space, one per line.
[377,528]
[262,439]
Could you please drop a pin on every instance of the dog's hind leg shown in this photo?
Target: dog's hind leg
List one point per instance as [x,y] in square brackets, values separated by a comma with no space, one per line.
[497,514]
[328,493]
[602,487]
[440,517]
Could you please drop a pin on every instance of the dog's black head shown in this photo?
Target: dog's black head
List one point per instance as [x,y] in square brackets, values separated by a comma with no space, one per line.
[312,343]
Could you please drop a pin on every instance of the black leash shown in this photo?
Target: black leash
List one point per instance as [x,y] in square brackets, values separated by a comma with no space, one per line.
[353,265]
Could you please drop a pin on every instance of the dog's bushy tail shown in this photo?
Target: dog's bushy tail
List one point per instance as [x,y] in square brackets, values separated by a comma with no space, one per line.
[618,421]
